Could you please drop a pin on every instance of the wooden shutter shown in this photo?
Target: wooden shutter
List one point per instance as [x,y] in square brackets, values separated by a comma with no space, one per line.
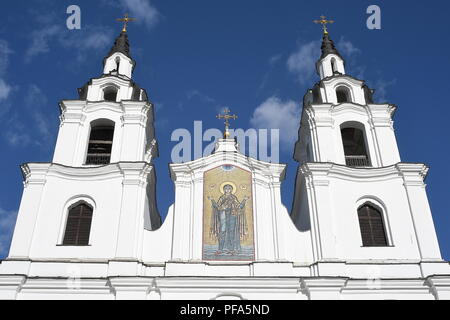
[372,227]
[78,226]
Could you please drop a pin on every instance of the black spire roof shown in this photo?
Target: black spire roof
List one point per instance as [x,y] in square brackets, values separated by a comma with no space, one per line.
[121,45]
[328,47]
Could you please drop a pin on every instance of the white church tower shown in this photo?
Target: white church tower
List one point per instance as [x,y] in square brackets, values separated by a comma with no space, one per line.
[360,226]
[97,196]
[365,208]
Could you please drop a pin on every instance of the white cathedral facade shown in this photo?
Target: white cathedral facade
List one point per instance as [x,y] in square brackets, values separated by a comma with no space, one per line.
[360,226]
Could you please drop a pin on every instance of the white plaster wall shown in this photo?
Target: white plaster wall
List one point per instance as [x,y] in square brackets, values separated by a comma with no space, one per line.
[355,88]
[126,64]
[325,123]
[334,195]
[324,66]
[275,235]
[157,244]
[117,194]
[130,134]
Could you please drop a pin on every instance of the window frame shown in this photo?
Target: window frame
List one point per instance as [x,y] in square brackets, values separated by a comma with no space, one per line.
[110,86]
[349,90]
[102,122]
[72,202]
[359,126]
[379,205]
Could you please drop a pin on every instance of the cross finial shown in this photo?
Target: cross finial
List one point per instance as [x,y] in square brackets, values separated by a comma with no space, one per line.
[125,21]
[323,21]
[227,117]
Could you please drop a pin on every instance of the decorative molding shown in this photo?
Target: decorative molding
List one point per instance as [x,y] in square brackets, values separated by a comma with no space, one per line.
[36,173]
[411,173]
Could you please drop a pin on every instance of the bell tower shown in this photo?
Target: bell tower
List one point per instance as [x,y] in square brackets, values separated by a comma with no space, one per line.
[351,181]
[97,196]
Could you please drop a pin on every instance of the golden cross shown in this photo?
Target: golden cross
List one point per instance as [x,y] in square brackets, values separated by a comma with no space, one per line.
[125,21]
[324,23]
[227,117]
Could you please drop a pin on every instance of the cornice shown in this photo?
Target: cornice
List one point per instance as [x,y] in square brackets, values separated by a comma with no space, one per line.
[109,78]
[282,283]
[410,172]
[322,115]
[323,283]
[348,107]
[339,78]
[387,284]
[216,159]
[93,106]
[440,281]
[37,173]
[75,111]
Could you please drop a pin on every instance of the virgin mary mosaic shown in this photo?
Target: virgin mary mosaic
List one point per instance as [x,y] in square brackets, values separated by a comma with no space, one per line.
[228,215]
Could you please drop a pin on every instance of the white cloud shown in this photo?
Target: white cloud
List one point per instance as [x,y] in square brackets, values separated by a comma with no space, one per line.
[303,62]
[35,96]
[274,59]
[5,89]
[7,222]
[5,51]
[346,48]
[273,62]
[143,11]
[197,94]
[86,40]
[81,41]
[277,114]
[39,129]
[40,41]
[36,101]
[381,89]
[16,138]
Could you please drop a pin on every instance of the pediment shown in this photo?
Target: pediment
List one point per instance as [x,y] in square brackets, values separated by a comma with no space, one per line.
[229,156]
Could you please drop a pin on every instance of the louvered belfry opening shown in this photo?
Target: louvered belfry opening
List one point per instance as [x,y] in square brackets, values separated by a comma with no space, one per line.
[355,147]
[343,95]
[372,227]
[110,93]
[100,145]
[78,226]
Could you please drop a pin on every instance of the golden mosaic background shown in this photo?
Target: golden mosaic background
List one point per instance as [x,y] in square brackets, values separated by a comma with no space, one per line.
[213,179]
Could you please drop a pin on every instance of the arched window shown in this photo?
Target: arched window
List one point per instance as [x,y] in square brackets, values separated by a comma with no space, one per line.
[78,225]
[355,150]
[110,94]
[117,64]
[333,65]
[100,142]
[373,233]
[343,95]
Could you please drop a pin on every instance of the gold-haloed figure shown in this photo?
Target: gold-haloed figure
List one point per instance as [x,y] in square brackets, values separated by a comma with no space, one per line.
[323,21]
[125,21]
[227,117]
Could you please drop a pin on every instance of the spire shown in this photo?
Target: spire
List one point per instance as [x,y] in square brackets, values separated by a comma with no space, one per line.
[121,45]
[328,66]
[113,63]
[328,46]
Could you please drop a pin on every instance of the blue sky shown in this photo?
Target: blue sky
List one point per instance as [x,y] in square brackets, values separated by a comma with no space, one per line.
[196,57]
